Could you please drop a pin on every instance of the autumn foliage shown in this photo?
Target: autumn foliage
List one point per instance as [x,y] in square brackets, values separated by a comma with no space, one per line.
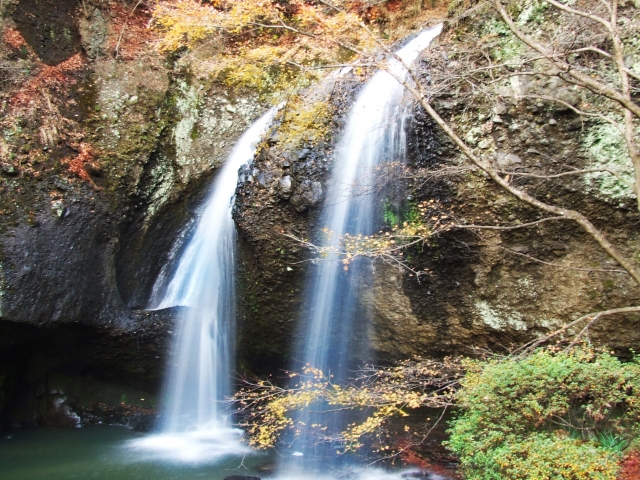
[13,38]
[267,45]
[630,467]
[83,163]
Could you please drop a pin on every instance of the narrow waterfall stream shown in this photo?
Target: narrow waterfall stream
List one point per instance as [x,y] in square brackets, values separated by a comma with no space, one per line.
[192,426]
[336,329]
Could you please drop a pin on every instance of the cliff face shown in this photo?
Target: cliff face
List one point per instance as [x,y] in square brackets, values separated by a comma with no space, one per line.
[491,288]
[107,149]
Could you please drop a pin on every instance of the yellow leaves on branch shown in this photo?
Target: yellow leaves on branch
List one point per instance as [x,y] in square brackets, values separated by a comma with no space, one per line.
[260,43]
[185,23]
[427,218]
[383,393]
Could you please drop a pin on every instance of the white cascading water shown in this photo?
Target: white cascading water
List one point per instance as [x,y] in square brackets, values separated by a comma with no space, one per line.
[336,334]
[374,132]
[192,427]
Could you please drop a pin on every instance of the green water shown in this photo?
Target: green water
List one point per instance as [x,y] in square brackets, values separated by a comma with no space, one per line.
[100,453]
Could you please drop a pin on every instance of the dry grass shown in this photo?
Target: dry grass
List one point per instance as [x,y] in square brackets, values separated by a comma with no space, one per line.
[406,16]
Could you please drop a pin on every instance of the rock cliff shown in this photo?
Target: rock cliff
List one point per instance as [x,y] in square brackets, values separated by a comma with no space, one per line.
[107,149]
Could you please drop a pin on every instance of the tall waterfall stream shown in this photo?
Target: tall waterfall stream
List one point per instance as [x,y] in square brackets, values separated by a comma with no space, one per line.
[336,327]
[192,426]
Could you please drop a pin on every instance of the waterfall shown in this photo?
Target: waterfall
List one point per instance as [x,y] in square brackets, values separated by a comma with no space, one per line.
[192,425]
[336,326]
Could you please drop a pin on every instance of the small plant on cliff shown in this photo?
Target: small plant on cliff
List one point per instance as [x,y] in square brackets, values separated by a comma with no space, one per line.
[554,414]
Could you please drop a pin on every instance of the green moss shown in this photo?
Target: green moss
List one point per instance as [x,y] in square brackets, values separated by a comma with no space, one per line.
[134,146]
[188,103]
[607,149]
[390,213]
[507,47]
[305,123]
[394,215]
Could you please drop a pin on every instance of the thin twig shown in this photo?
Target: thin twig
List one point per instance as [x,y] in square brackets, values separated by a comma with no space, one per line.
[507,227]
[125,26]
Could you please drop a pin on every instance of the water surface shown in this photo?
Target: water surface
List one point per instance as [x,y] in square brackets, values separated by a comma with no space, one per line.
[104,453]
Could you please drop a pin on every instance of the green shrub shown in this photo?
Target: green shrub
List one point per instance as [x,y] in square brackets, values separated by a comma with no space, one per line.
[552,415]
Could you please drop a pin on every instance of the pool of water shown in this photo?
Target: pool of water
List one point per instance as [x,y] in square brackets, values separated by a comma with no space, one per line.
[104,453]
[117,453]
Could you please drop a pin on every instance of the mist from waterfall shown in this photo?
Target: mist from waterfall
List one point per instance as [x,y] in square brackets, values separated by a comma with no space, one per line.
[336,325]
[193,427]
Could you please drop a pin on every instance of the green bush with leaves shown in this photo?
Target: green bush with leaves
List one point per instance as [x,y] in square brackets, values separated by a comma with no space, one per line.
[551,415]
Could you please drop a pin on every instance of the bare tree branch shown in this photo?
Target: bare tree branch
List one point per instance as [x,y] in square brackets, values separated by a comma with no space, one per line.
[509,227]
[583,79]
[528,347]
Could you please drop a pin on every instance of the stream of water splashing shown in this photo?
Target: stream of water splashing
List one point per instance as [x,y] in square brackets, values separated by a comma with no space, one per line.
[192,427]
[336,329]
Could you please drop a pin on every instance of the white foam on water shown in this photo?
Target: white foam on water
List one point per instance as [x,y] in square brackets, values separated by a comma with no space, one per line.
[360,473]
[194,447]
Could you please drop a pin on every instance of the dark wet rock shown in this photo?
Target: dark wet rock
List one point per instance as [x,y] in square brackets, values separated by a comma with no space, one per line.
[308,194]
[60,414]
[302,154]
[104,374]
[241,477]
[93,170]
[51,31]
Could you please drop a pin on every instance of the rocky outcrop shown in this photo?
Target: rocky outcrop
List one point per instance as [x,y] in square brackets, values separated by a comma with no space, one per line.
[491,289]
[278,199]
[73,374]
[106,150]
